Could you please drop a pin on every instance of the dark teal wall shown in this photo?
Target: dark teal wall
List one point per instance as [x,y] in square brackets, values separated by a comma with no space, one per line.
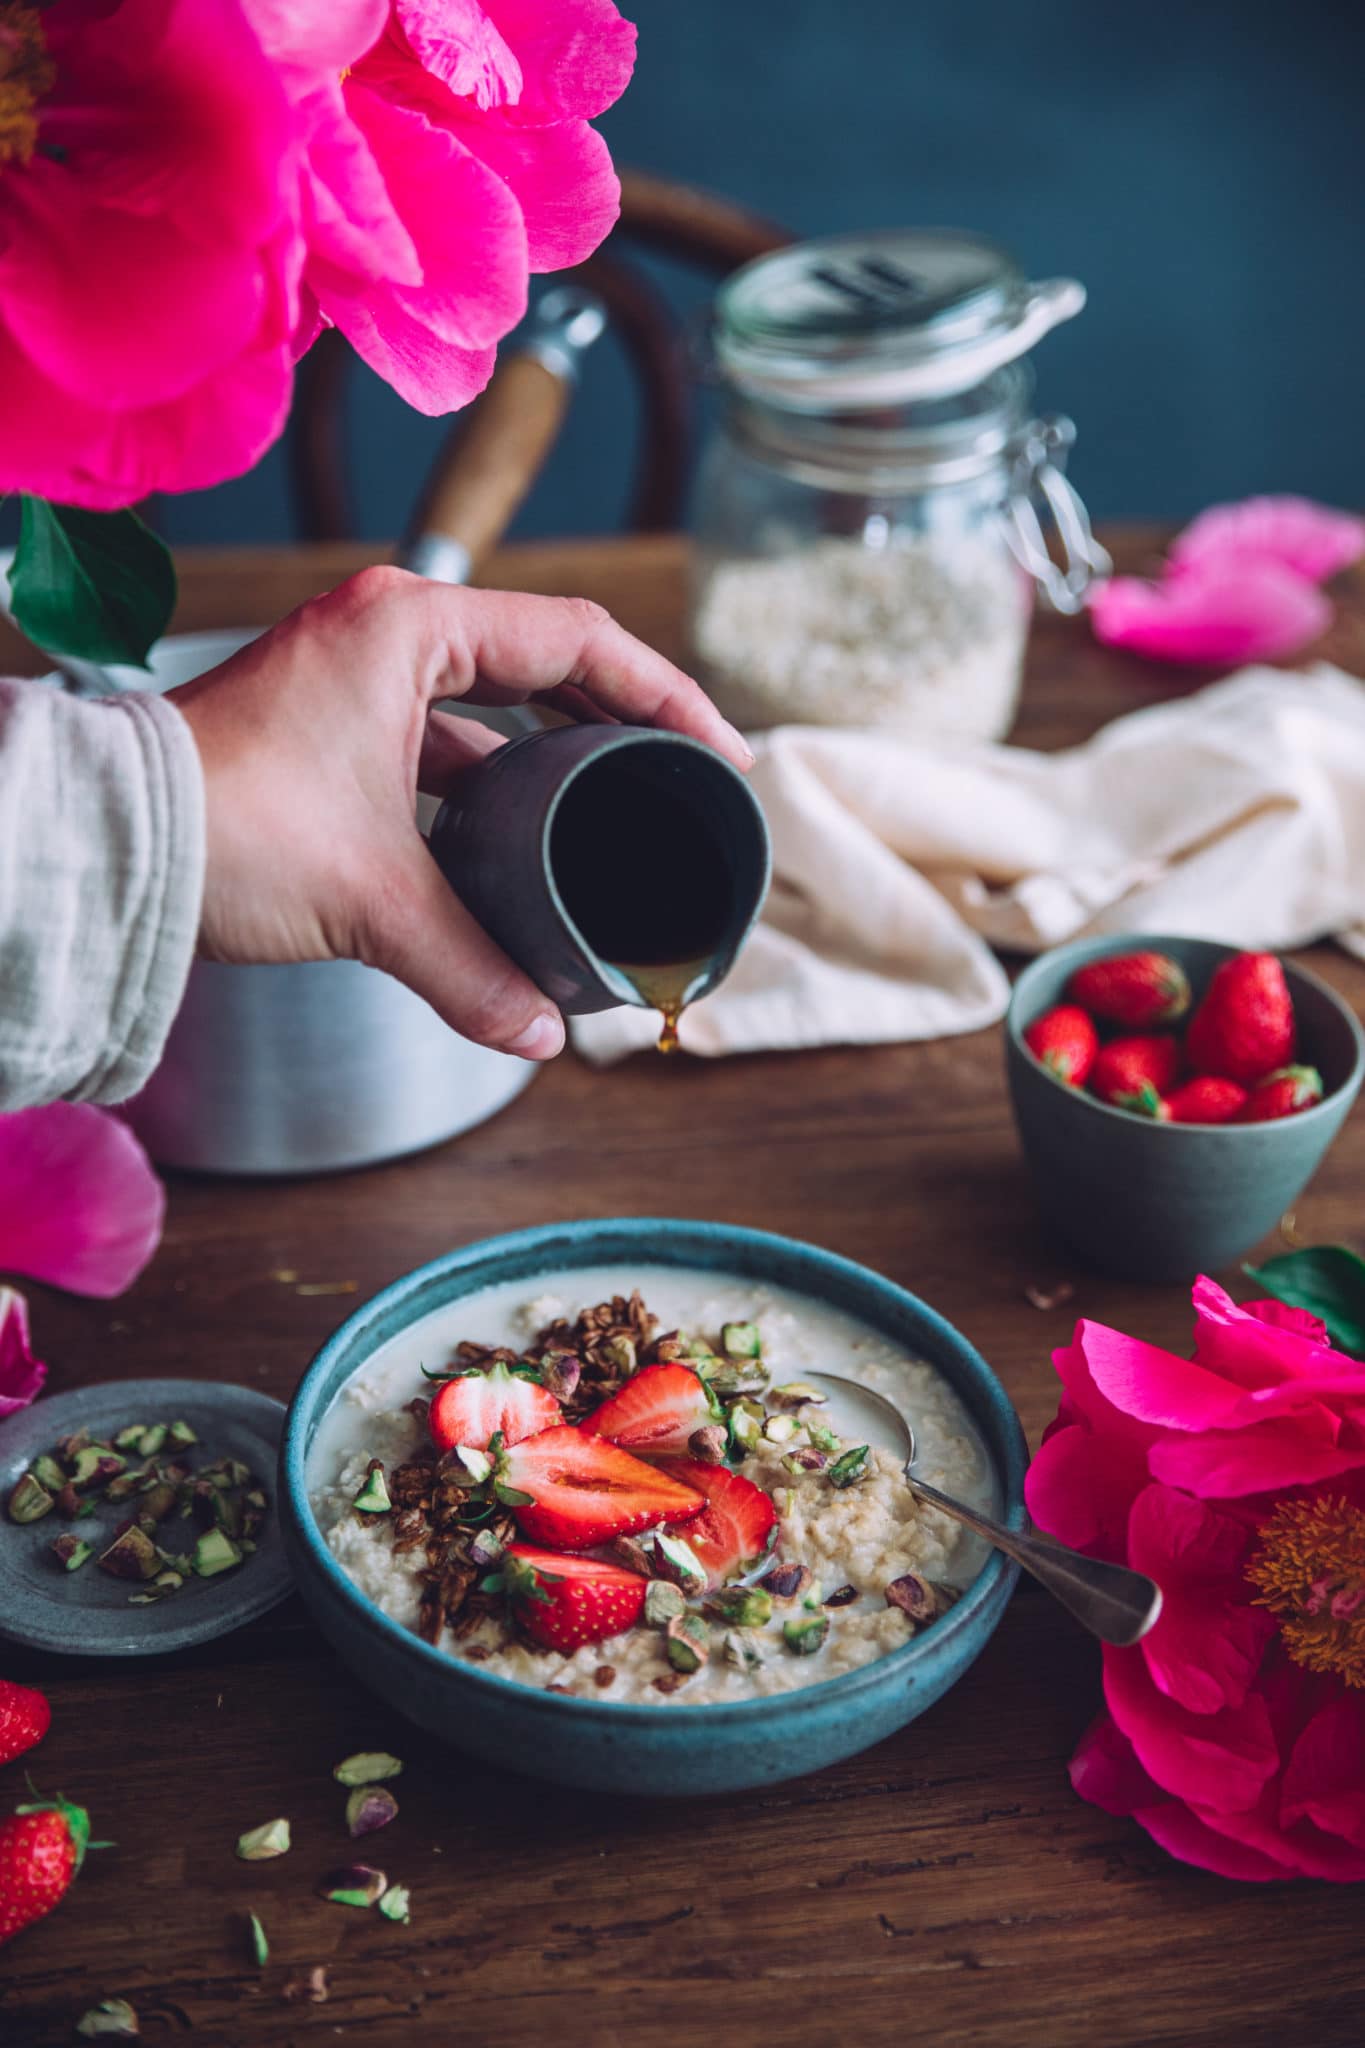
[1199,165]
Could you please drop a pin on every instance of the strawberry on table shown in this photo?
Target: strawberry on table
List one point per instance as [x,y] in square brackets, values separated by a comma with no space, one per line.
[563,1602]
[41,1849]
[578,1491]
[1066,1041]
[25,1718]
[1207,1099]
[735,1525]
[471,1410]
[1136,1073]
[1282,1094]
[659,1409]
[1139,990]
[1244,1027]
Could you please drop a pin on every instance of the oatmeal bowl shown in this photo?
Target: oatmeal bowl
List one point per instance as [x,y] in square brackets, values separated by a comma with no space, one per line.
[577,1500]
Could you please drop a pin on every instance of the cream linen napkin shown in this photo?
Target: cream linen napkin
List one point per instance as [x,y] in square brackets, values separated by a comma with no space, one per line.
[1237,813]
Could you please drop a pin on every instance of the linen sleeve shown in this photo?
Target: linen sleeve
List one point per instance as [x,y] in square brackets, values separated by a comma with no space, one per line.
[101,879]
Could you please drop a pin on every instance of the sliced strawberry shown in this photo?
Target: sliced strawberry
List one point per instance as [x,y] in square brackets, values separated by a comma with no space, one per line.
[564,1602]
[471,1409]
[736,1522]
[581,1490]
[657,1410]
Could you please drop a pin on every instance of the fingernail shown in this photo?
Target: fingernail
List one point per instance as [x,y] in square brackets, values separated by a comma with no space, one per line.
[745,749]
[540,1040]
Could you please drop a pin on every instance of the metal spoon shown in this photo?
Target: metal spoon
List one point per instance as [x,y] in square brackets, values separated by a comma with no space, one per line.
[1115,1604]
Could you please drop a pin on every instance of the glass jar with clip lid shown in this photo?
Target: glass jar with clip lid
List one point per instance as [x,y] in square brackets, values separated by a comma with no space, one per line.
[872,513]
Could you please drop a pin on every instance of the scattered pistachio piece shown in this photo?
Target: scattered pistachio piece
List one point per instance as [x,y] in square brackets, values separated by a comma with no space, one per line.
[131,1555]
[476,1463]
[851,1467]
[813,1600]
[112,2019]
[664,1602]
[129,1439]
[260,1947]
[395,1903]
[70,1504]
[786,1581]
[742,1340]
[807,1459]
[48,1473]
[30,1500]
[741,1649]
[805,1637]
[797,1394]
[214,1553]
[152,1440]
[560,1373]
[258,1845]
[744,1606]
[366,1767]
[780,1429]
[919,1599]
[675,1560]
[842,1596]
[822,1437]
[354,1884]
[484,1548]
[70,1551]
[90,1464]
[708,1445]
[689,1643]
[181,1435]
[745,1428]
[634,1552]
[373,1497]
[368,1808]
[619,1352]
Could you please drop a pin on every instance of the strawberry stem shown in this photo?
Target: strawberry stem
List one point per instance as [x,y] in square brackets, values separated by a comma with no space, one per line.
[76,1818]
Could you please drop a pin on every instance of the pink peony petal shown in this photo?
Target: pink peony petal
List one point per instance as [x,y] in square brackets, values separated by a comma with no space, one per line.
[21,1374]
[458,44]
[317,41]
[1078,1489]
[1224,611]
[1182,1833]
[1154,1386]
[1206,1646]
[1229,1464]
[560,177]
[1106,1771]
[1297,1321]
[1313,540]
[576,57]
[1257,1344]
[79,1204]
[1305,1851]
[1223,1760]
[1324,1780]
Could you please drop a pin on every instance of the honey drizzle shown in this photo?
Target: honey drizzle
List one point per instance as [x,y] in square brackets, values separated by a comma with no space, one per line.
[664,987]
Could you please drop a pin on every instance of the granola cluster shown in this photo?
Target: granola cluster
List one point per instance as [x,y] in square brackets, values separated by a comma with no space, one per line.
[436,1510]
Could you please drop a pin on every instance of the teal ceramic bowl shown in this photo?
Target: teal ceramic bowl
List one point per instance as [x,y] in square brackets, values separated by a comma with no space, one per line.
[628,1748]
[1150,1201]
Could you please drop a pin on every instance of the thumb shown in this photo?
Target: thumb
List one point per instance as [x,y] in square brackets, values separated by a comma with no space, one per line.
[419,931]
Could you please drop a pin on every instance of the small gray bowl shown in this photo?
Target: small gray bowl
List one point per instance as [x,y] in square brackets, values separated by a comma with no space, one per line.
[1151,1201]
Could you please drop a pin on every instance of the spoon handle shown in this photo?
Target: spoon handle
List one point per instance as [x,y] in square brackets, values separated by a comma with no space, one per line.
[1115,1604]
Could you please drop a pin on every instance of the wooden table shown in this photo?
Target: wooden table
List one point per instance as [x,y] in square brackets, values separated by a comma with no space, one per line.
[947,1884]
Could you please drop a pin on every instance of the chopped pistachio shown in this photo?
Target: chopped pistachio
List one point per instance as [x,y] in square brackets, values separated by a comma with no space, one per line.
[129,1439]
[48,1472]
[70,1504]
[260,1947]
[708,1445]
[742,1340]
[156,1503]
[181,1435]
[919,1599]
[69,1447]
[803,1638]
[664,1602]
[373,1497]
[696,1347]
[214,1553]
[674,1559]
[395,1903]
[842,1596]
[780,1429]
[355,1884]
[745,1429]
[152,1440]
[635,1553]
[705,1365]
[258,1845]
[130,1482]
[787,1581]
[619,1353]
[30,1500]
[822,1438]
[227,1513]
[807,1459]
[738,1647]
[366,1767]
[95,1463]
[688,1643]
[70,1551]
[131,1555]
[476,1463]
[560,1373]
[112,2019]
[369,1807]
[797,1394]
[851,1467]
[813,1599]
[484,1548]
[170,1581]
[744,1606]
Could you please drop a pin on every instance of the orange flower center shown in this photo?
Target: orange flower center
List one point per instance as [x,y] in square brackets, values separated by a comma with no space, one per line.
[1309,1569]
[26,73]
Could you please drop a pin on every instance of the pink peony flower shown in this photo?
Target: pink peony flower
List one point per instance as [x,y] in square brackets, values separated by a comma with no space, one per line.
[150,264]
[446,160]
[80,1206]
[21,1374]
[1234,1733]
[1313,540]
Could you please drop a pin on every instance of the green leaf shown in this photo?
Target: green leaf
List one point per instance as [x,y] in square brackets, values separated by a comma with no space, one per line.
[1326,1279]
[97,585]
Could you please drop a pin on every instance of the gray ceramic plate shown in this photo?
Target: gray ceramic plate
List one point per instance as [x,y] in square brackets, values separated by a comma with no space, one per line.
[86,1612]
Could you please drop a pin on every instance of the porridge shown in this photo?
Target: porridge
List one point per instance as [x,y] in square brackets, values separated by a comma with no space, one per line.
[761,1539]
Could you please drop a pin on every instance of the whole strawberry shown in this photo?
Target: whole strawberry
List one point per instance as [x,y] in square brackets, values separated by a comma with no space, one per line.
[1207,1099]
[1139,990]
[1282,1094]
[25,1718]
[1135,1073]
[1244,1027]
[41,1849]
[1066,1041]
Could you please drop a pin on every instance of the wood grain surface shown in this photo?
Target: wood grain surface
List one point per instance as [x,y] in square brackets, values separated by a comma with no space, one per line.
[945,1886]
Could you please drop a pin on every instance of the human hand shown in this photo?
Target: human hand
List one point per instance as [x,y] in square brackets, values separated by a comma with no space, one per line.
[315,739]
